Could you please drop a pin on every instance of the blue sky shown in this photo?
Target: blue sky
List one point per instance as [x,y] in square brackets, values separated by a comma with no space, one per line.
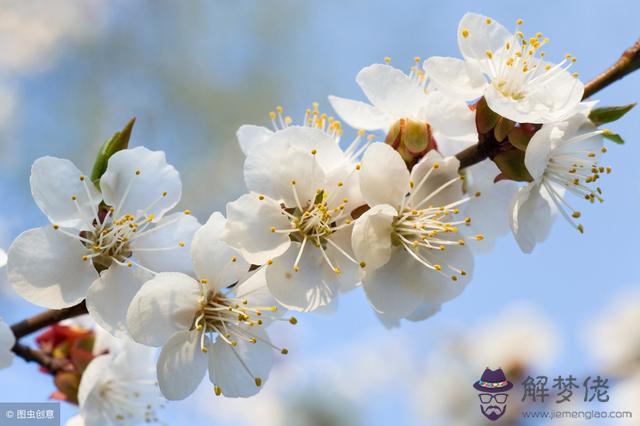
[254,58]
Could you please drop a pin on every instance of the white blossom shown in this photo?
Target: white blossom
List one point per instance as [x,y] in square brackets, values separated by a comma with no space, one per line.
[296,219]
[119,388]
[408,243]
[203,324]
[395,95]
[55,266]
[509,71]
[562,158]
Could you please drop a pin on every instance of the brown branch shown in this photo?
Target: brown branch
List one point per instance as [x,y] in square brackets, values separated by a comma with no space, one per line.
[50,364]
[47,318]
[38,322]
[628,63]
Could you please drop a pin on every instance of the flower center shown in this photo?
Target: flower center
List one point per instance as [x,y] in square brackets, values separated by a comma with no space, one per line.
[316,222]
[232,319]
[577,172]
[519,64]
[130,399]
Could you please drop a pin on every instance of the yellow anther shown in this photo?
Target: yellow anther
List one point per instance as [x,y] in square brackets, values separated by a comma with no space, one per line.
[130,264]
[465,32]
[489,54]
[336,270]
[477,194]
[217,390]
[387,59]
[575,75]
[204,281]
[340,183]
[314,151]
[138,172]
[258,381]
[454,278]
[279,109]
[363,264]
[296,268]
[260,197]
[488,21]
[181,243]
[272,115]
[437,267]
[81,178]
[288,120]
[269,262]
[519,21]
[234,259]
[580,229]
[293,320]
[273,229]
[436,165]
[461,242]
[74,197]
[204,349]
[85,258]
[479,237]
[284,351]
[576,215]
[187,212]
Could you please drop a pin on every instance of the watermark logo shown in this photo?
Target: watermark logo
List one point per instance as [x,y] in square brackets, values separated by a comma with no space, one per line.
[493,387]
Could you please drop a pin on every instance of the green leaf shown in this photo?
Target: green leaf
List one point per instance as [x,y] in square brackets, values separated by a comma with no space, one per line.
[117,142]
[609,114]
[614,137]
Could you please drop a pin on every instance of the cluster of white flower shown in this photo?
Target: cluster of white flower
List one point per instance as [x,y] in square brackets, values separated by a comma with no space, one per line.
[320,217]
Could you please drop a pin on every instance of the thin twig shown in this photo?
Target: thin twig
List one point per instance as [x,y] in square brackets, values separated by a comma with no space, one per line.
[47,318]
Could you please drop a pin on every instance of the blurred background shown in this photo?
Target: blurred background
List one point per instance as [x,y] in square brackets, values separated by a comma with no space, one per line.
[74,71]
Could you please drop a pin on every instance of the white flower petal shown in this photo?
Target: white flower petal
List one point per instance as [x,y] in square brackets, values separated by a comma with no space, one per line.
[46,268]
[371,236]
[390,90]
[3,258]
[312,286]
[489,212]
[54,181]
[181,365]
[237,379]
[424,311]
[76,420]
[545,101]
[450,117]
[164,305]
[213,259]
[439,286]
[89,393]
[482,34]
[441,187]
[109,297]
[250,220]
[137,179]
[167,249]
[360,115]
[308,139]
[396,288]
[250,136]
[272,167]
[456,77]
[7,340]
[384,177]
[349,276]
[539,149]
[531,217]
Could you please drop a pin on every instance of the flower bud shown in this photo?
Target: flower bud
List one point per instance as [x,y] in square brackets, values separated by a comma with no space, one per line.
[411,138]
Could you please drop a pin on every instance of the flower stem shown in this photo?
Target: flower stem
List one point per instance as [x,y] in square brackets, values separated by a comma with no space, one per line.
[626,64]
